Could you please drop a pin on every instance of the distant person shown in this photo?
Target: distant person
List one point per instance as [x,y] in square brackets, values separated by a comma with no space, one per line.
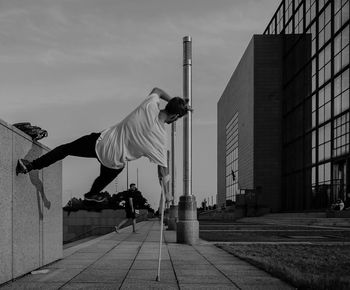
[129,197]
[338,205]
[141,134]
[347,202]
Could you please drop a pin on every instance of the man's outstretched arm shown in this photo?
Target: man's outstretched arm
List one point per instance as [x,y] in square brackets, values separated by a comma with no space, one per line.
[163,174]
[164,179]
[162,94]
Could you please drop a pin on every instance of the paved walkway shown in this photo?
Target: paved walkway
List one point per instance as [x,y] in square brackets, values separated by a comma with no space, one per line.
[129,261]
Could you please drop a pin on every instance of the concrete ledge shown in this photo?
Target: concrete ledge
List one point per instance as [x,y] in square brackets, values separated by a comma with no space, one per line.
[83,223]
[338,214]
[31,207]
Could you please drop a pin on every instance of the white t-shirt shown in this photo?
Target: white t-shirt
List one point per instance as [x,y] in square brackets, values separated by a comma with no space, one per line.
[139,134]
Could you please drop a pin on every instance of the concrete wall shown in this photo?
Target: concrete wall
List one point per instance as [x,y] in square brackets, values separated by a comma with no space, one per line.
[268,76]
[84,223]
[30,207]
[238,96]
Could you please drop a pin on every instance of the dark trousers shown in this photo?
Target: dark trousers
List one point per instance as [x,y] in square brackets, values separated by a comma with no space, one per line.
[82,147]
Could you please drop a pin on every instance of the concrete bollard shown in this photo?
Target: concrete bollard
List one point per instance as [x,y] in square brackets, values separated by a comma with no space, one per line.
[166,217]
[187,228]
[173,217]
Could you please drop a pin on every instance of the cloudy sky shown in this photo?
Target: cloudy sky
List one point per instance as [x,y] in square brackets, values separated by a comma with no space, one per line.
[78,66]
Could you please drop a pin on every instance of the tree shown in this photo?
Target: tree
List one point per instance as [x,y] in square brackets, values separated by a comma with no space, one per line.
[111,202]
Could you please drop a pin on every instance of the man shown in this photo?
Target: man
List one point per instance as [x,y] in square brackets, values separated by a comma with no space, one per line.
[130,207]
[141,134]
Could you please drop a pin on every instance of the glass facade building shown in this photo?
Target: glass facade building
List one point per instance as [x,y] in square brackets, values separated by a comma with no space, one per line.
[315,113]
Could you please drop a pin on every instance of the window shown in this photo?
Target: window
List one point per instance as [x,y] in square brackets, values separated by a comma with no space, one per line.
[341,13]
[289,28]
[232,158]
[280,23]
[288,9]
[321,4]
[341,93]
[313,142]
[324,142]
[324,24]
[314,109]
[324,174]
[341,50]
[324,65]
[313,176]
[298,20]
[312,31]
[324,104]
[341,136]
[272,27]
[310,7]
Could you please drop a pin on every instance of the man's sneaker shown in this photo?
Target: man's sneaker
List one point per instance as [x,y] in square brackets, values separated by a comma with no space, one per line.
[23,166]
[116,229]
[94,197]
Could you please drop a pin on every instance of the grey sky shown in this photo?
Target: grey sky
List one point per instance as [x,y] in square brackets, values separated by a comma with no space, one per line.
[79,66]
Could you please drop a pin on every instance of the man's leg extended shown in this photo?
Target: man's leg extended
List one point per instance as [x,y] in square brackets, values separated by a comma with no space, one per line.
[123,222]
[134,225]
[106,176]
[82,147]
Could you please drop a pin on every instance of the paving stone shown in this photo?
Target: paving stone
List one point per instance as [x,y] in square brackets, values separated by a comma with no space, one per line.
[247,285]
[121,257]
[205,277]
[209,269]
[96,250]
[153,256]
[54,275]
[190,262]
[150,275]
[196,267]
[65,263]
[101,275]
[85,256]
[208,287]
[237,268]
[251,274]
[151,264]
[17,285]
[112,263]
[136,285]
[92,286]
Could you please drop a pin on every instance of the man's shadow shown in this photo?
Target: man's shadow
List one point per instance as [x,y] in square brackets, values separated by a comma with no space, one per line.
[35,152]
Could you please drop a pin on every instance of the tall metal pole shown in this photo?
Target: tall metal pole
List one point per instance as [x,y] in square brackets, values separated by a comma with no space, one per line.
[187,122]
[187,229]
[173,178]
[137,177]
[127,175]
[173,211]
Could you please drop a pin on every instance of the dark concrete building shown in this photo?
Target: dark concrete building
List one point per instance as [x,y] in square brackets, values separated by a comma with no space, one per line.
[283,119]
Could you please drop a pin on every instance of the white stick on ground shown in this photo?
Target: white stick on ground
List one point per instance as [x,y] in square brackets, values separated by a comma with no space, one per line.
[161,209]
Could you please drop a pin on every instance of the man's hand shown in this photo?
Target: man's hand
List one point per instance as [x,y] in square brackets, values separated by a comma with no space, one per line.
[189,108]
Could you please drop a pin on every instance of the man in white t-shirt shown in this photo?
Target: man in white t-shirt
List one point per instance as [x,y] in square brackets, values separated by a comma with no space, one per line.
[141,134]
